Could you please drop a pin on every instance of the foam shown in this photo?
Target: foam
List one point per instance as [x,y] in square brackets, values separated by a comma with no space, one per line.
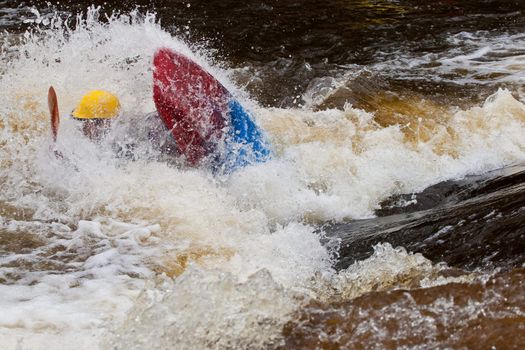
[325,174]
[208,309]
[98,272]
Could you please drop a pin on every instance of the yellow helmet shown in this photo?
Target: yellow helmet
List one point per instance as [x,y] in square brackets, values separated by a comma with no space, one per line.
[97,104]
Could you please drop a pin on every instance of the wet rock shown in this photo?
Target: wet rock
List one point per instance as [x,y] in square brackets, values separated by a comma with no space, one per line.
[474,223]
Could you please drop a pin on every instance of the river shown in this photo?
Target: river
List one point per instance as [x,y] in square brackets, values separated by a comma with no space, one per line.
[391,215]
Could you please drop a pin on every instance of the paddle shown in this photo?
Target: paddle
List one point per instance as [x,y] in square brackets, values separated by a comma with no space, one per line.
[53,111]
[52,103]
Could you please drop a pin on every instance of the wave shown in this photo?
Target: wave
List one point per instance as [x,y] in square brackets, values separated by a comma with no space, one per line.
[246,242]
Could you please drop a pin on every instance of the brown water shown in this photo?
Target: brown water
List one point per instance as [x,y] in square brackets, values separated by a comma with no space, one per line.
[487,314]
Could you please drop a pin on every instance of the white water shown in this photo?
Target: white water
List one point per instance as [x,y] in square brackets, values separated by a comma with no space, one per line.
[473,58]
[240,248]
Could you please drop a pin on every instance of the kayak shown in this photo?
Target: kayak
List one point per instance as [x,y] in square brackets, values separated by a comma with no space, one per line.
[208,124]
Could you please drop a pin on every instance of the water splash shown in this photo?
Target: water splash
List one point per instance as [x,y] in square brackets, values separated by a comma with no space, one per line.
[221,255]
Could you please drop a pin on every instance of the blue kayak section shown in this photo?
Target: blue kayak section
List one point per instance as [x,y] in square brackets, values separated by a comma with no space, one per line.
[245,143]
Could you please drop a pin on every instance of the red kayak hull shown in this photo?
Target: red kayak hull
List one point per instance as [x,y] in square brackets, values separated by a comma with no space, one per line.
[191,103]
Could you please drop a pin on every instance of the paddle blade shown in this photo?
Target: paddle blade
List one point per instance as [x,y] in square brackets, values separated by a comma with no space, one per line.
[53,111]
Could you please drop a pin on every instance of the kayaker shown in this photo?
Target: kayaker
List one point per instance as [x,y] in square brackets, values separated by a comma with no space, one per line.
[95,112]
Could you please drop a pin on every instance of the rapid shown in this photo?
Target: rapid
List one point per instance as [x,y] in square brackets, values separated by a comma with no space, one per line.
[103,252]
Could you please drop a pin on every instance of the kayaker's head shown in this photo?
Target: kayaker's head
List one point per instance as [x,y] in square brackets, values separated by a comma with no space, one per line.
[96,110]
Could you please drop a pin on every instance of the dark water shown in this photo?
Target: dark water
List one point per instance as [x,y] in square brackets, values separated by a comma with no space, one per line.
[386,57]
[284,46]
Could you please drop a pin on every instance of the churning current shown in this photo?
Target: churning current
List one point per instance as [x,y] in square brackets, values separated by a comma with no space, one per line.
[391,215]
